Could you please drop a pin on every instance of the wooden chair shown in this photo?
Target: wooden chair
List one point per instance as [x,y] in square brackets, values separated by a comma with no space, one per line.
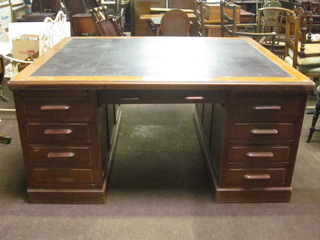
[3,138]
[230,27]
[302,55]
[175,23]
[273,19]
[200,12]
[106,25]
[315,116]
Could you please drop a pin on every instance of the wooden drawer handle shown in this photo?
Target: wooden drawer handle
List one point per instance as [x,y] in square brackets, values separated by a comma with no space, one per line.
[256,176]
[130,98]
[259,154]
[54,107]
[194,98]
[57,131]
[264,131]
[60,155]
[271,107]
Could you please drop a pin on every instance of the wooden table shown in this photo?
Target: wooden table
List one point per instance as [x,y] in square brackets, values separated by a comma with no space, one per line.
[248,114]
[159,15]
[160,10]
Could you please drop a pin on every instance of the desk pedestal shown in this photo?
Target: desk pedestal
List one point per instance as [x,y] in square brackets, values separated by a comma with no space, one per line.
[68,144]
[250,144]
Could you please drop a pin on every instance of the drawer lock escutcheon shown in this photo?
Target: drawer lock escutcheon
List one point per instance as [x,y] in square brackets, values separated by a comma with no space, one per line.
[259,154]
[54,107]
[267,107]
[256,176]
[60,155]
[57,131]
[264,131]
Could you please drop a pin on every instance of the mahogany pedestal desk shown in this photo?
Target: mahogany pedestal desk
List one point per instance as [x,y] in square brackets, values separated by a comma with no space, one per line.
[249,107]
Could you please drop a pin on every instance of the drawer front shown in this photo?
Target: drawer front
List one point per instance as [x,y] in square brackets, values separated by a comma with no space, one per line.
[262,132]
[72,176]
[163,96]
[266,108]
[58,133]
[259,155]
[60,156]
[56,108]
[256,177]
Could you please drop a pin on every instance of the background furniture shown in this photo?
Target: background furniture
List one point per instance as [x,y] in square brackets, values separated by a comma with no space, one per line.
[229,26]
[80,17]
[315,116]
[41,9]
[302,55]
[3,138]
[273,19]
[212,18]
[174,23]
[250,134]
[106,25]
[140,27]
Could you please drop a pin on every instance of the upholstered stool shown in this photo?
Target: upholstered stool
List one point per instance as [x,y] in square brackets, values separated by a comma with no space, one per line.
[315,116]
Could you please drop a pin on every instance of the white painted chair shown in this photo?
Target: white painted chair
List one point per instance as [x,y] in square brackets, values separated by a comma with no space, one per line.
[53,31]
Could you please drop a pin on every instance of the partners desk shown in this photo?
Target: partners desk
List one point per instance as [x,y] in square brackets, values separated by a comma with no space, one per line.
[249,107]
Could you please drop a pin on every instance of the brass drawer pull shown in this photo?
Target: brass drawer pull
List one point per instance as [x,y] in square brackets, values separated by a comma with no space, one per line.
[256,176]
[264,131]
[271,107]
[54,107]
[194,98]
[259,154]
[130,98]
[58,131]
[60,155]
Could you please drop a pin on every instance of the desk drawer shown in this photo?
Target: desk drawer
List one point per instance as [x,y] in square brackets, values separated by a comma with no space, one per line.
[72,176]
[256,177]
[262,132]
[60,156]
[160,96]
[266,108]
[259,155]
[58,133]
[56,108]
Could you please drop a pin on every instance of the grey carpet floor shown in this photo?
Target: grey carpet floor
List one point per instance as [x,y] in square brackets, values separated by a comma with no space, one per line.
[159,190]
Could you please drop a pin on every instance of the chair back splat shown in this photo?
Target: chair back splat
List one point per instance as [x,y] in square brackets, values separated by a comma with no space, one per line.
[175,23]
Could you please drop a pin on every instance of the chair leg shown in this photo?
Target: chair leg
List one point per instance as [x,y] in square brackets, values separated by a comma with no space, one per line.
[314,120]
[5,139]
[4,98]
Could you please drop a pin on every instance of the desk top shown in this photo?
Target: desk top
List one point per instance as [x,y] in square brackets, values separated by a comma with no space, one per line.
[159,63]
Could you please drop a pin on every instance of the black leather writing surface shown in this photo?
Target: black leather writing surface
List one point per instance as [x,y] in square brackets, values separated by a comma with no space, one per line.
[156,57]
